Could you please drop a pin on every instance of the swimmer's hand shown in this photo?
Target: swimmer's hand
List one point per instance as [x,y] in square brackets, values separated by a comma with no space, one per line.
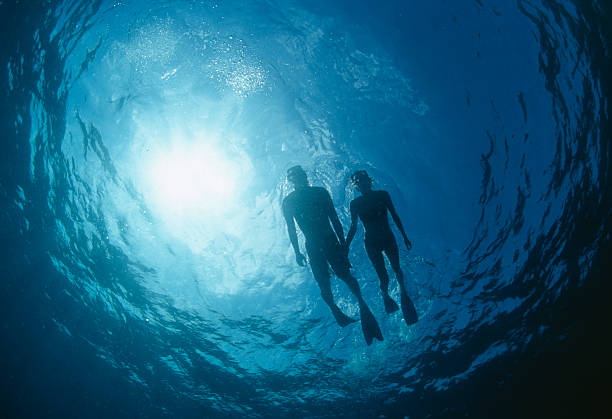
[408,244]
[300,259]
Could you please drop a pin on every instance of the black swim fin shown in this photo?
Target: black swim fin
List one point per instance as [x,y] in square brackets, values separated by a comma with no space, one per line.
[369,325]
[408,310]
[342,319]
[390,305]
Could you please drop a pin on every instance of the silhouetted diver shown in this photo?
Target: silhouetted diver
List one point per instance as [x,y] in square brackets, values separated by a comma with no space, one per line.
[371,207]
[313,210]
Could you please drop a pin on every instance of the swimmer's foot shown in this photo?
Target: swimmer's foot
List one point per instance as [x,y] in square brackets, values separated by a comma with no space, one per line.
[390,305]
[342,319]
[408,310]
[369,326]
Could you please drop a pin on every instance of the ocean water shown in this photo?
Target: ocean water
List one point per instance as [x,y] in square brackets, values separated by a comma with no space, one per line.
[145,267]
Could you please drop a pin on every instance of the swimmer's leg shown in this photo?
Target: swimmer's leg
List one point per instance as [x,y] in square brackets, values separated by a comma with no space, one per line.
[369,325]
[377,260]
[341,318]
[341,266]
[320,270]
[408,310]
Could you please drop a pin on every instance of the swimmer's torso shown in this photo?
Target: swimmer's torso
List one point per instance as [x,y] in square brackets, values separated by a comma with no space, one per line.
[311,207]
[372,210]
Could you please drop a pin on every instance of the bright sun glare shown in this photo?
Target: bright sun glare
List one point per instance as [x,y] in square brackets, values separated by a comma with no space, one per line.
[189,179]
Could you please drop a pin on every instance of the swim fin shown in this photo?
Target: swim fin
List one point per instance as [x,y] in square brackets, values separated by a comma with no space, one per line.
[408,310]
[342,319]
[369,325]
[390,305]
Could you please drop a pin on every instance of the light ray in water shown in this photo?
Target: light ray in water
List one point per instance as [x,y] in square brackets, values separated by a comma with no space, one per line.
[191,178]
[146,267]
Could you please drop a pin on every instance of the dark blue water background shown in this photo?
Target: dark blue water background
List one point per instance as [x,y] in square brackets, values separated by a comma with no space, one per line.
[145,267]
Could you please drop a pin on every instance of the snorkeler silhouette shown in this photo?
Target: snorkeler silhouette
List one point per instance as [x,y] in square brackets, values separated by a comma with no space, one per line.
[372,207]
[313,210]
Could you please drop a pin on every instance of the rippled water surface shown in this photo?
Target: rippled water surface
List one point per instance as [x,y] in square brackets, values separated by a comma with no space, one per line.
[146,268]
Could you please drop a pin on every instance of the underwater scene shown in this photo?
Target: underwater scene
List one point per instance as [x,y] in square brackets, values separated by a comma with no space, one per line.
[178,179]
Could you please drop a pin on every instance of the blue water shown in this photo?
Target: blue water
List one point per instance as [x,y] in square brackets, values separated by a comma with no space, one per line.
[146,269]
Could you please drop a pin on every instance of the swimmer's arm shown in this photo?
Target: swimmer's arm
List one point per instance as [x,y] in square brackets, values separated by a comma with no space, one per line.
[397,220]
[353,228]
[333,216]
[299,257]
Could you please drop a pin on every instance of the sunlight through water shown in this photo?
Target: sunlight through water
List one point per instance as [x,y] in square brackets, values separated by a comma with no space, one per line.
[192,179]
[146,267]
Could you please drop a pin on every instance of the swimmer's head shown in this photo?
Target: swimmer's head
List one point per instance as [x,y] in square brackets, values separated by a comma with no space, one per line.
[361,180]
[297,176]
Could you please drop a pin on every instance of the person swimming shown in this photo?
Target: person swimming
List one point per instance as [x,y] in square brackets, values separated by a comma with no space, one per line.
[313,210]
[372,208]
